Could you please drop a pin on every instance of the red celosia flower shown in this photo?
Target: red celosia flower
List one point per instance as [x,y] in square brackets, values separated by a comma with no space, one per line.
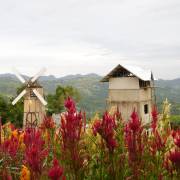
[56,172]
[6,175]
[174,157]
[111,144]
[160,177]
[96,127]
[11,146]
[70,105]
[48,123]
[167,166]
[154,118]
[158,142]
[108,124]
[134,123]
[71,130]
[173,133]
[12,127]
[118,114]
[28,136]
[35,151]
[105,128]
[71,124]
[133,138]
[176,137]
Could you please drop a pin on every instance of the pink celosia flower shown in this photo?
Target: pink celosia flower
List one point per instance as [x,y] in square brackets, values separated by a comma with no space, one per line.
[56,172]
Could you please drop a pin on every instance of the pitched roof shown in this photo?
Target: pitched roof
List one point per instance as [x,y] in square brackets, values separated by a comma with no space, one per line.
[145,75]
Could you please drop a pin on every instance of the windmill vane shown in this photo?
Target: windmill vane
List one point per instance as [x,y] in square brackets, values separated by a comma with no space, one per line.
[34,102]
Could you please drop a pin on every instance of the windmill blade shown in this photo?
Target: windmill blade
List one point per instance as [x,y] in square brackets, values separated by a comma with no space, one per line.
[40,97]
[19,97]
[18,75]
[38,74]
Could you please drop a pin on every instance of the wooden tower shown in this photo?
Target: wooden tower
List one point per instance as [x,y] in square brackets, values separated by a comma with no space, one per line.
[34,103]
[34,110]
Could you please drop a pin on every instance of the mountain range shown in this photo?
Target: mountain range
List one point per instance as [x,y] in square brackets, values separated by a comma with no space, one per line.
[93,92]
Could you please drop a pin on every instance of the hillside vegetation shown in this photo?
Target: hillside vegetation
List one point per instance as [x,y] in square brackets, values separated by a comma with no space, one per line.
[93,92]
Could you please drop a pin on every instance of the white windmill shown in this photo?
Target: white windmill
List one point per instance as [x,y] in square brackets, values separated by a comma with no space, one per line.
[34,102]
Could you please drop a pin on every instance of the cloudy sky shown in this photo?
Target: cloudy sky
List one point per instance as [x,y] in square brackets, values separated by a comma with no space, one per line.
[90,36]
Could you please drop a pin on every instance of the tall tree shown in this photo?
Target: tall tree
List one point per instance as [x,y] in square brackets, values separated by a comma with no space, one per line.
[3,109]
[15,113]
[56,101]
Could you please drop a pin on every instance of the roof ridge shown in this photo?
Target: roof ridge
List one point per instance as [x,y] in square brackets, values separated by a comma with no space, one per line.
[139,72]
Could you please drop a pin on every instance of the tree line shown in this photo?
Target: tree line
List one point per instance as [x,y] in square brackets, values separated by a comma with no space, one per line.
[14,114]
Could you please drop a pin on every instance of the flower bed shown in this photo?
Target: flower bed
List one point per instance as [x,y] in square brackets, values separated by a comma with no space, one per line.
[108,148]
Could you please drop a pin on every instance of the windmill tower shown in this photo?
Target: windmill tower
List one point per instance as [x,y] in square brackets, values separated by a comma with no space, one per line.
[34,102]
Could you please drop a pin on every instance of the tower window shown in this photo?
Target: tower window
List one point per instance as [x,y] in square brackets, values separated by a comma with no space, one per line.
[146,110]
[32,93]
[144,84]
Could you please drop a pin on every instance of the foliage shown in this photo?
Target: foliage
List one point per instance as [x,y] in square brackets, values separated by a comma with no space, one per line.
[4,113]
[16,113]
[8,112]
[175,121]
[93,92]
[106,148]
[56,101]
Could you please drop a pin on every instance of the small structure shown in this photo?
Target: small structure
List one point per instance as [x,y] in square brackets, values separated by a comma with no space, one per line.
[131,88]
[57,118]
[34,103]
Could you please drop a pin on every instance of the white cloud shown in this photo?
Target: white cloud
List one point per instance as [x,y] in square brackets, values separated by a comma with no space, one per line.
[84,36]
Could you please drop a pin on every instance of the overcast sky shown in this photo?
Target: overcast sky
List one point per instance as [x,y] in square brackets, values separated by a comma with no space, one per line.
[90,36]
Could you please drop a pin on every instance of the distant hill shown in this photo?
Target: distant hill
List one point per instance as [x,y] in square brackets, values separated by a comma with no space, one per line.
[169,89]
[93,92]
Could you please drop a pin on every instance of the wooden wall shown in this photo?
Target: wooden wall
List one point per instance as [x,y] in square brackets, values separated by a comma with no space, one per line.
[31,105]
